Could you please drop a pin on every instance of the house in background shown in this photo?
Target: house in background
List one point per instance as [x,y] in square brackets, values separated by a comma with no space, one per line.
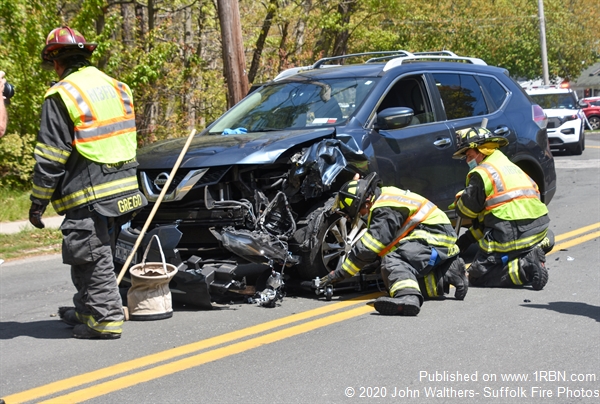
[588,83]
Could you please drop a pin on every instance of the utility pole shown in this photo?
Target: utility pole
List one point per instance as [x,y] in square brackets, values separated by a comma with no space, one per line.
[234,61]
[543,42]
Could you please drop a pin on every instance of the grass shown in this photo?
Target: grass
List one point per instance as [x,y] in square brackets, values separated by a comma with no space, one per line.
[29,243]
[14,205]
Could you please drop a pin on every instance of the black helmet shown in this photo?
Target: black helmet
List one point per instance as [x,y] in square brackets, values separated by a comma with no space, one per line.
[472,138]
[353,194]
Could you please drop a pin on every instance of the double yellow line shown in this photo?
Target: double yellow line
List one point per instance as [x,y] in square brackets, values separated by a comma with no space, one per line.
[196,359]
[165,363]
[578,236]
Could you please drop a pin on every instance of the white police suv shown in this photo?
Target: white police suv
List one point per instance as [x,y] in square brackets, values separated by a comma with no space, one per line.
[566,120]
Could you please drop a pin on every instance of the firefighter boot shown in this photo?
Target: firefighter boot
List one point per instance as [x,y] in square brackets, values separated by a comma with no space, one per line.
[547,244]
[534,265]
[68,316]
[456,276]
[82,331]
[406,305]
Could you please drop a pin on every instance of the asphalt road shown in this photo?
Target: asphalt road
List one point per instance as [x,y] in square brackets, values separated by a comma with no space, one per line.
[497,346]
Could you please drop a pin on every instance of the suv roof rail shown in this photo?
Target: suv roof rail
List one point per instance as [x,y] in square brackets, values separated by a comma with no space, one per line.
[387,55]
[441,56]
[397,58]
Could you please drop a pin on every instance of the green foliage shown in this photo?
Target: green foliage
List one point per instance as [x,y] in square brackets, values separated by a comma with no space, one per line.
[176,72]
[16,155]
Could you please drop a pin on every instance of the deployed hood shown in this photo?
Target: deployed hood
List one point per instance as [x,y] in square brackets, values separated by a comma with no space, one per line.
[225,150]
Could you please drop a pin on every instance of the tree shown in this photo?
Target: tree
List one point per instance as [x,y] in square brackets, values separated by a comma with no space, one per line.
[185,59]
[234,62]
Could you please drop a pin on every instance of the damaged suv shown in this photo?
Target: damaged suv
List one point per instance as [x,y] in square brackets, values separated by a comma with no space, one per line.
[251,205]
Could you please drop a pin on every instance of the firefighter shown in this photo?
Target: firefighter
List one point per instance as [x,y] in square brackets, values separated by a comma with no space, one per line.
[86,167]
[414,240]
[509,221]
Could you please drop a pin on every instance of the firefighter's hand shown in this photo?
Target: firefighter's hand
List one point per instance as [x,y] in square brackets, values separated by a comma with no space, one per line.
[328,279]
[35,215]
[456,198]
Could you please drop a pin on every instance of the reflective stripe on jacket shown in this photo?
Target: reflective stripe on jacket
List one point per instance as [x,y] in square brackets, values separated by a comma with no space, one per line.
[510,193]
[67,177]
[420,210]
[101,109]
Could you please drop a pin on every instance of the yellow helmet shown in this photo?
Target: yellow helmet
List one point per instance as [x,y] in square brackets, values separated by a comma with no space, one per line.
[472,138]
[353,194]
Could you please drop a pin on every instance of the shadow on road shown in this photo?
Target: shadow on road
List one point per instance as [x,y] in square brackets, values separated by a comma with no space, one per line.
[575,308]
[47,329]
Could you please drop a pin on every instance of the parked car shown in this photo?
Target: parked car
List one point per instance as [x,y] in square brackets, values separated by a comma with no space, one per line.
[592,112]
[566,120]
[251,205]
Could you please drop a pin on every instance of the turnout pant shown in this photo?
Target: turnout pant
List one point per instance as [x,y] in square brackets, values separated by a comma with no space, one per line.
[87,248]
[506,268]
[415,268]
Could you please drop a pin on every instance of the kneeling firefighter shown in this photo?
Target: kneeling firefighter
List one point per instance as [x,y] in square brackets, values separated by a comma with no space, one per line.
[414,239]
[509,221]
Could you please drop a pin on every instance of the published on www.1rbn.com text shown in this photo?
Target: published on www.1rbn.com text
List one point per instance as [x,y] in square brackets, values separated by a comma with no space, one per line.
[540,384]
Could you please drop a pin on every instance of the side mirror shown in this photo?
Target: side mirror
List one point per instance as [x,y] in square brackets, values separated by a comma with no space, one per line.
[394,118]
[582,104]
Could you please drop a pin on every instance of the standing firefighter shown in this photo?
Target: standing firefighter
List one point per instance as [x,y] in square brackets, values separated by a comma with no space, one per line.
[414,239]
[510,223]
[86,166]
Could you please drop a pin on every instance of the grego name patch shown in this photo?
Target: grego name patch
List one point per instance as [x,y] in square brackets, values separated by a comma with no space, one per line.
[130,203]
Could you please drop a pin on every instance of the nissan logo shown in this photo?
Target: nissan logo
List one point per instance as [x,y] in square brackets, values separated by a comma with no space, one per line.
[160,180]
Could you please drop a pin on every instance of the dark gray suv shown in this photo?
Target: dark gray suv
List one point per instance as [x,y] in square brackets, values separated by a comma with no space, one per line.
[250,206]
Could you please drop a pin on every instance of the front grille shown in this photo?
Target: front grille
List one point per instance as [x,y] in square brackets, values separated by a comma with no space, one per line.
[553,123]
[213,176]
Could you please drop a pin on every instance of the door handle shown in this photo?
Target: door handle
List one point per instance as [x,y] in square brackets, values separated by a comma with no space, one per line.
[501,131]
[442,142]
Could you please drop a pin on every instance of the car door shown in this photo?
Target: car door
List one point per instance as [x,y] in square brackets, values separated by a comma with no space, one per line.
[470,100]
[474,100]
[418,157]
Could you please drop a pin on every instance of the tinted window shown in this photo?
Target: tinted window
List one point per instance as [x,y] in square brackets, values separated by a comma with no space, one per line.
[409,92]
[555,101]
[461,95]
[495,90]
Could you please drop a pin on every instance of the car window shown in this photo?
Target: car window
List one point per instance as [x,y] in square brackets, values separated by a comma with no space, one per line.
[409,92]
[496,91]
[461,95]
[555,101]
[295,104]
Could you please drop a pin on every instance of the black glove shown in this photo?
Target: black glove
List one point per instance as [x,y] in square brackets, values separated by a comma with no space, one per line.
[35,215]
[465,241]
[328,279]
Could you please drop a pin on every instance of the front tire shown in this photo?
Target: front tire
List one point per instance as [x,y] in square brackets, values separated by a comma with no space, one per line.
[334,240]
[594,122]
[578,148]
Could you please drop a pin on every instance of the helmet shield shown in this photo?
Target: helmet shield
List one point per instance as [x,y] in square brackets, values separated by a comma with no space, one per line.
[65,42]
[472,138]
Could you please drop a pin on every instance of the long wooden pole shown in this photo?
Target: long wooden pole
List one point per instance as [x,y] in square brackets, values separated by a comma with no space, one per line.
[155,207]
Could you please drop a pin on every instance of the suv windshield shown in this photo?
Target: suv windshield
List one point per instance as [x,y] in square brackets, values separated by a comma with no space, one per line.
[555,101]
[295,105]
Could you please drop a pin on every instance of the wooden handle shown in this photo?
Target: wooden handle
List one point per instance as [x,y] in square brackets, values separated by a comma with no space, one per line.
[155,207]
